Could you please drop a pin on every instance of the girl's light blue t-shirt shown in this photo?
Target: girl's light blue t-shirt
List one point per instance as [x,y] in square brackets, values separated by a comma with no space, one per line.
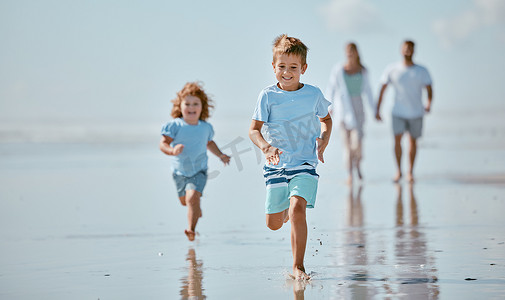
[193,157]
[291,122]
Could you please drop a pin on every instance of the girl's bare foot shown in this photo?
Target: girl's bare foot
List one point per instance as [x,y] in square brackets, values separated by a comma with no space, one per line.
[190,234]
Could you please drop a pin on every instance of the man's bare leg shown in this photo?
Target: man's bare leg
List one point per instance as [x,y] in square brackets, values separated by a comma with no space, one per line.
[412,158]
[398,156]
[297,216]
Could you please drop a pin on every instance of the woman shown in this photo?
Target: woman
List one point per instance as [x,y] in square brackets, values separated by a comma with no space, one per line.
[348,82]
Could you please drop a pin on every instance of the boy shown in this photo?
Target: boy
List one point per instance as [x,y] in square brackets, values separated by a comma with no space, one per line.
[296,124]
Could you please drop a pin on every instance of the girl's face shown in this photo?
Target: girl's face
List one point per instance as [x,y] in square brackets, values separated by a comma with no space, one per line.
[191,108]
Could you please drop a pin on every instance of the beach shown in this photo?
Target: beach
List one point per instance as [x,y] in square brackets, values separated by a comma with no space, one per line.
[95,216]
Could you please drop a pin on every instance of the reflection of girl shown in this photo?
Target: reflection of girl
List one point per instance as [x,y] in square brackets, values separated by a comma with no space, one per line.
[347,84]
[192,285]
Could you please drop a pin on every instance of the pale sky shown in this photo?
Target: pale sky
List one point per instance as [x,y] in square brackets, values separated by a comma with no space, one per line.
[118,60]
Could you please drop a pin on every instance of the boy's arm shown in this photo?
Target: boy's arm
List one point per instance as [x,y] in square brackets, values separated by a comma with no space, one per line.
[167,149]
[211,145]
[322,142]
[379,102]
[271,153]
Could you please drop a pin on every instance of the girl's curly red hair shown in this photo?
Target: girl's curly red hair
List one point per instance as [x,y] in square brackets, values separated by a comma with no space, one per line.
[192,89]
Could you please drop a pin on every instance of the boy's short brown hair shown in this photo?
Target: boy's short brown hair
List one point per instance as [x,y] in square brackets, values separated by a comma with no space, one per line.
[192,89]
[284,44]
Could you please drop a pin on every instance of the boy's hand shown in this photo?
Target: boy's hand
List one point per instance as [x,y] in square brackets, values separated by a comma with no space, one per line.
[321,146]
[272,155]
[177,149]
[225,159]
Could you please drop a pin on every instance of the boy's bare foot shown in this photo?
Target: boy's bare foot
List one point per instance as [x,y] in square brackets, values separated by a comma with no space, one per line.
[190,234]
[397,178]
[299,274]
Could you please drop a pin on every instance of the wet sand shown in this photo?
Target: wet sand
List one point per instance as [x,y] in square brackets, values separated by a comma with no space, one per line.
[101,221]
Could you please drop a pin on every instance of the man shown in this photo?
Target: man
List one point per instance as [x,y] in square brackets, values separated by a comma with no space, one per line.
[408,80]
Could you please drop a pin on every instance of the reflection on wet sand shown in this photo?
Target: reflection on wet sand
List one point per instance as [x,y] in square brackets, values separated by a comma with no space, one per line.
[191,287]
[373,269]
[356,256]
[299,289]
[415,270]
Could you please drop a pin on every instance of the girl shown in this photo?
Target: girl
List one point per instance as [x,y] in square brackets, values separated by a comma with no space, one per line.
[187,138]
[347,85]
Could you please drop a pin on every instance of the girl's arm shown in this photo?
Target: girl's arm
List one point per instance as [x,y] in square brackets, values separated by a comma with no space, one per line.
[211,145]
[326,125]
[271,153]
[167,149]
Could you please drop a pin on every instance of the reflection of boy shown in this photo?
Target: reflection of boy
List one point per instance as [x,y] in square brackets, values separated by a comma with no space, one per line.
[296,129]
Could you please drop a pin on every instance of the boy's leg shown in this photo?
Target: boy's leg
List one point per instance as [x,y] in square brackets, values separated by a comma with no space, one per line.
[297,216]
[183,200]
[194,212]
[275,221]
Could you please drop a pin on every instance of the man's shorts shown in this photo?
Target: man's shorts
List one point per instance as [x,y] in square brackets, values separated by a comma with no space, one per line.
[413,126]
[196,182]
[282,184]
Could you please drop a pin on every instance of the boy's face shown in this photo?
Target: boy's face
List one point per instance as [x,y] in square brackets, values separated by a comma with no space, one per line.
[191,109]
[288,69]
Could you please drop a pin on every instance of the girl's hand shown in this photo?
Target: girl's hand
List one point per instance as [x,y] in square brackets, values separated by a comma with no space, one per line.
[272,155]
[321,146]
[177,149]
[225,159]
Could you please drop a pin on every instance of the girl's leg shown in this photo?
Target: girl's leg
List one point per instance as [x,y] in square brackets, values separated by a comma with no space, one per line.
[297,216]
[194,212]
[358,144]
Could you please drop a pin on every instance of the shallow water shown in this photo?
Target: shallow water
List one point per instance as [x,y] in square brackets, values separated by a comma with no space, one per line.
[101,221]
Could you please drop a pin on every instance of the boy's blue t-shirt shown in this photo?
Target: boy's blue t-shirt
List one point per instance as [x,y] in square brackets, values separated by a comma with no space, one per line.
[291,122]
[193,157]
